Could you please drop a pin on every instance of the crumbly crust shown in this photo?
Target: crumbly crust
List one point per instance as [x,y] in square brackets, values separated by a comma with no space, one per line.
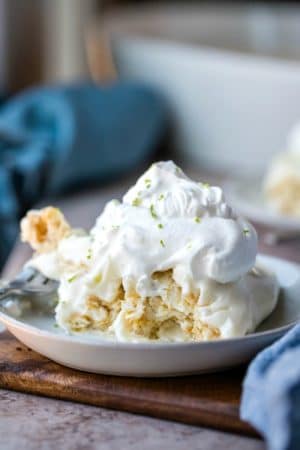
[150,317]
[43,229]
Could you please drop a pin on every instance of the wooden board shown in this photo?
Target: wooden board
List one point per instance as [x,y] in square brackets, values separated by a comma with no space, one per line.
[208,400]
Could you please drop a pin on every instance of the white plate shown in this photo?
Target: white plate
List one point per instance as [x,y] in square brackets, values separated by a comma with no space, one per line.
[163,359]
[247,198]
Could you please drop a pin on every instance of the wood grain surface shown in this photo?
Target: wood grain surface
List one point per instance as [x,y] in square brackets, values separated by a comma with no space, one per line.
[209,400]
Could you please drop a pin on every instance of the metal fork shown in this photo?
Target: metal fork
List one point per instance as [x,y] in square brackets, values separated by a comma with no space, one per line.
[28,283]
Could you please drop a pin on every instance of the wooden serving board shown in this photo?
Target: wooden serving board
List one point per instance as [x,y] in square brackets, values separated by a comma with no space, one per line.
[208,400]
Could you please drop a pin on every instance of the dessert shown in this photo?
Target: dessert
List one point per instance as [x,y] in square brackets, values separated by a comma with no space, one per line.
[282,181]
[170,262]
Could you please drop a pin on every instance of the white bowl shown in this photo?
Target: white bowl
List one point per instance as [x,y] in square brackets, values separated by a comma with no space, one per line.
[162,359]
[231,76]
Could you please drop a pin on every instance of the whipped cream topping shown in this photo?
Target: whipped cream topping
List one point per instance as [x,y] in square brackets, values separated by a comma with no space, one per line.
[165,221]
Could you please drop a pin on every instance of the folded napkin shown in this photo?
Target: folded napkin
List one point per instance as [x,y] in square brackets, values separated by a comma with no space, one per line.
[271,393]
[55,138]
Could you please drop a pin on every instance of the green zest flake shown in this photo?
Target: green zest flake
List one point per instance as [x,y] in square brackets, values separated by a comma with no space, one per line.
[197,219]
[246,231]
[161,197]
[148,183]
[55,325]
[152,212]
[178,170]
[205,185]
[136,202]
[162,243]
[89,254]
[98,278]
[71,279]
[160,225]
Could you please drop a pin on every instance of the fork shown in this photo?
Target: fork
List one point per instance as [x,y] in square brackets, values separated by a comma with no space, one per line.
[29,282]
[19,294]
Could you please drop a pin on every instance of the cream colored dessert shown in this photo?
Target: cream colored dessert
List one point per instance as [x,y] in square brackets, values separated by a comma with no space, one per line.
[282,181]
[170,262]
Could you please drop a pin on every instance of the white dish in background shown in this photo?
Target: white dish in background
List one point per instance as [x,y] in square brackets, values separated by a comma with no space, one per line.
[230,75]
[162,359]
[247,198]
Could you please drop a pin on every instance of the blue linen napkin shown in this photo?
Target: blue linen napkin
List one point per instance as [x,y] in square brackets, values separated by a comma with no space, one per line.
[56,138]
[271,393]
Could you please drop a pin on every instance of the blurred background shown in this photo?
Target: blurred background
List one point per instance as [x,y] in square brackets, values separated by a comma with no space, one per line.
[229,71]
[225,77]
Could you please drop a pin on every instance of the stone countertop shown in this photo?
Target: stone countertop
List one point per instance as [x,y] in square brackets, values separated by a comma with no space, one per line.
[34,423]
[29,422]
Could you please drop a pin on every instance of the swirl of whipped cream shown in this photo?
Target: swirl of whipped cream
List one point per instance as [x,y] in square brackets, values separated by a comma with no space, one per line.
[175,195]
[167,221]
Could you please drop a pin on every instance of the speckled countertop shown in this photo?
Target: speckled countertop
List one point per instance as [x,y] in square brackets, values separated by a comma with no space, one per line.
[33,423]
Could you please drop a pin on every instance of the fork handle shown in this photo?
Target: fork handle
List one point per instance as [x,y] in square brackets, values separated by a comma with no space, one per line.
[6,290]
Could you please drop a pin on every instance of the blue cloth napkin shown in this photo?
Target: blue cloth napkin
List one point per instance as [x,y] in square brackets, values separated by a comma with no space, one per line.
[56,138]
[271,393]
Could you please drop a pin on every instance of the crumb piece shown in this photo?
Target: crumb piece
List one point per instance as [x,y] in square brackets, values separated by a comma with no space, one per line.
[80,322]
[44,229]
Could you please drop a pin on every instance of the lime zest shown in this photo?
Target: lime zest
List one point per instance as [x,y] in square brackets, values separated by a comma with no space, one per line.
[152,212]
[136,201]
[147,182]
[98,278]
[246,231]
[73,278]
